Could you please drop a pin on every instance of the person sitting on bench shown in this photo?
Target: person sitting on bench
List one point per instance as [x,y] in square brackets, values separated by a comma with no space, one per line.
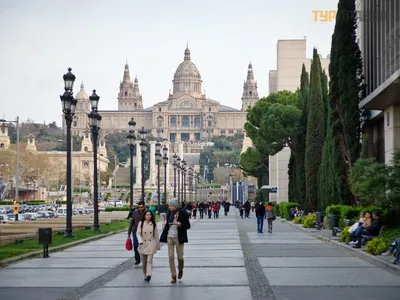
[395,251]
[372,230]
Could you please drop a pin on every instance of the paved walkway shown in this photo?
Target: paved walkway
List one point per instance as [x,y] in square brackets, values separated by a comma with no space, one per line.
[225,259]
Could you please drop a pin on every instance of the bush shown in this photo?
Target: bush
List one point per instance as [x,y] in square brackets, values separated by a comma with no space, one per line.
[351,213]
[209,185]
[284,209]
[390,234]
[112,208]
[276,209]
[345,235]
[309,221]
[376,247]
[298,220]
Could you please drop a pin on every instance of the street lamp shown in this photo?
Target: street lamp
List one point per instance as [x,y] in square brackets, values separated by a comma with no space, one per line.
[178,167]
[158,161]
[143,148]
[174,161]
[165,161]
[95,119]
[190,183]
[131,143]
[68,108]
[183,172]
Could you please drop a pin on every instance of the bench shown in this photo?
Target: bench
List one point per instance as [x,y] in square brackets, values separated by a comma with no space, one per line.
[336,230]
[366,237]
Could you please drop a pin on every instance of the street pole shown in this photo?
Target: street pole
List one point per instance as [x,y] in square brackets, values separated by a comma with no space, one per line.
[143,148]
[131,177]
[115,180]
[174,165]
[95,119]
[158,179]
[178,167]
[68,230]
[17,169]
[143,195]
[165,161]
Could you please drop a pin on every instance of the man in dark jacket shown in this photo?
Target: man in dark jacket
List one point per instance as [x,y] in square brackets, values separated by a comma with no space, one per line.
[136,218]
[175,234]
[260,214]
[374,230]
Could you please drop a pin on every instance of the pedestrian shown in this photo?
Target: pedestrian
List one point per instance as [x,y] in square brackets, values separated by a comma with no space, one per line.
[162,210]
[195,210]
[241,210]
[153,209]
[270,216]
[136,218]
[260,214]
[147,235]
[215,210]
[175,234]
[202,207]
[247,209]
[226,207]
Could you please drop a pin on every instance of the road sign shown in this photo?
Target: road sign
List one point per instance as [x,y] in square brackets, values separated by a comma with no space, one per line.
[16,208]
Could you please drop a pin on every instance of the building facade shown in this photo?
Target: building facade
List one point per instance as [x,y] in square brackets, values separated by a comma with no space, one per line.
[187,115]
[379,40]
[291,55]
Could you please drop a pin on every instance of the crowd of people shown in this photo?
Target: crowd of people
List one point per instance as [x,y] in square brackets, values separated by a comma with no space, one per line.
[175,221]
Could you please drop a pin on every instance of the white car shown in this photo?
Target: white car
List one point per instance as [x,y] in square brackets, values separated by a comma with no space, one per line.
[115,203]
[3,219]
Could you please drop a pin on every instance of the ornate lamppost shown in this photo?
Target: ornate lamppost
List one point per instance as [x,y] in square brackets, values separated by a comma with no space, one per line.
[183,190]
[143,148]
[178,168]
[158,162]
[165,161]
[95,119]
[190,184]
[132,146]
[174,161]
[68,108]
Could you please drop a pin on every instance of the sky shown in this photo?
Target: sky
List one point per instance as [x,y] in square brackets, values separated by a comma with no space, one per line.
[40,39]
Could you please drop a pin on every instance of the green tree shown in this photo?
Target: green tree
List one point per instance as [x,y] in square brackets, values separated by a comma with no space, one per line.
[296,167]
[255,164]
[346,89]
[272,123]
[315,133]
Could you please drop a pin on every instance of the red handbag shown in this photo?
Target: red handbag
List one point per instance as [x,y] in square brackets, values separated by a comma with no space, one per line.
[128,244]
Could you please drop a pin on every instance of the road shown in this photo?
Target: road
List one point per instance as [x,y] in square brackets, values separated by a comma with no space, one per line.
[225,259]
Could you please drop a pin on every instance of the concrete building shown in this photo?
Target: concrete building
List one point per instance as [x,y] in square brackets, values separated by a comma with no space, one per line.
[379,40]
[291,55]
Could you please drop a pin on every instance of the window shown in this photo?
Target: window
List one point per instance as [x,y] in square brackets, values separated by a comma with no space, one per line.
[126,93]
[222,131]
[197,122]
[209,108]
[172,122]
[86,149]
[3,129]
[209,123]
[185,121]
[2,146]
[230,131]
[135,104]
[159,109]
[250,93]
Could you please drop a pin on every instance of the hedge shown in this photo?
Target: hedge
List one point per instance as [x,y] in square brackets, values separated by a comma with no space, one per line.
[284,209]
[351,213]
[209,185]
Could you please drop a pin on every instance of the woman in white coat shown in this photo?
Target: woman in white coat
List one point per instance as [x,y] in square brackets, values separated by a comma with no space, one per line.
[147,235]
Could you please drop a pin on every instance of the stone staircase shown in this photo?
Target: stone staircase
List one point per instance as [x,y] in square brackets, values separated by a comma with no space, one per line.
[122,176]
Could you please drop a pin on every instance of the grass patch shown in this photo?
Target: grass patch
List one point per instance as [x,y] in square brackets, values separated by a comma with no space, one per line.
[30,245]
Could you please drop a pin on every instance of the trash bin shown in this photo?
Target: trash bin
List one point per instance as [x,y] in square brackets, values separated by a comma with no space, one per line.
[45,236]
[333,220]
[45,239]
[319,217]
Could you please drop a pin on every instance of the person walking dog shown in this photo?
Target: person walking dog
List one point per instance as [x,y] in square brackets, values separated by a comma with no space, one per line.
[147,235]
[175,234]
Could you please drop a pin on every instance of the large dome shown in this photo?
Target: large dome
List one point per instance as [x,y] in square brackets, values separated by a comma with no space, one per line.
[82,95]
[187,78]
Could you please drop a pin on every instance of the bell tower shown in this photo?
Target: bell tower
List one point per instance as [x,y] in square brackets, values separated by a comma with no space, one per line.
[129,96]
[250,93]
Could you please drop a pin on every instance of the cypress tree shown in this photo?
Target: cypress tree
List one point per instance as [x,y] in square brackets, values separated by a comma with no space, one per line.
[315,133]
[346,90]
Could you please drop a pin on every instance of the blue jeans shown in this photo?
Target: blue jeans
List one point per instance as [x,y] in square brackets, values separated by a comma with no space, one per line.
[260,224]
[135,248]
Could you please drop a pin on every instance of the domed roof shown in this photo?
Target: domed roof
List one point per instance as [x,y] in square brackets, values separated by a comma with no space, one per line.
[81,95]
[187,69]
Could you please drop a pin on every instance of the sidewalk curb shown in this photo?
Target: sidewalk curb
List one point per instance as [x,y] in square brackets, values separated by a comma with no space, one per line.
[362,254]
[8,261]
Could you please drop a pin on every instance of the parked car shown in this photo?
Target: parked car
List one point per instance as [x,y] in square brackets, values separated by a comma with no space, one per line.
[3,219]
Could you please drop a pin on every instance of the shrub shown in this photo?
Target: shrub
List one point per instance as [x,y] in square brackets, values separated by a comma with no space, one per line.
[112,208]
[309,221]
[276,209]
[376,247]
[345,235]
[284,209]
[298,220]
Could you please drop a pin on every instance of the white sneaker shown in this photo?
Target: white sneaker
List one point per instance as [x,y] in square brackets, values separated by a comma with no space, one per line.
[352,243]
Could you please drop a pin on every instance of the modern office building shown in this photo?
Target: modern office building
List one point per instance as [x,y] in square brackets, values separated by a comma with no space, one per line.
[378,36]
[291,55]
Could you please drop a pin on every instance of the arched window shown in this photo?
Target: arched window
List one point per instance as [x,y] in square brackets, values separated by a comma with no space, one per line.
[126,93]
[172,122]
[250,93]
[2,146]
[209,108]
[197,122]
[86,149]
[185,121]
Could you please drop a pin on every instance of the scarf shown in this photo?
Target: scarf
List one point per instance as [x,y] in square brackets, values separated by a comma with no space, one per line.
[173,217]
